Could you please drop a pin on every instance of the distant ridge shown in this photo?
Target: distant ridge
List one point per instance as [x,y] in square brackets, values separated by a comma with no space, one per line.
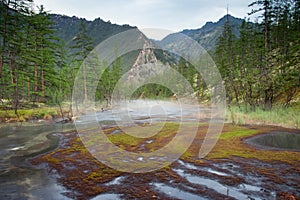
[207,36]
[99,30]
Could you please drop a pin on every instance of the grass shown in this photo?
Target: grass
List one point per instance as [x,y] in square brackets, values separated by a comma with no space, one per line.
[285,117]
[33,113]
[231,144]
[46,113]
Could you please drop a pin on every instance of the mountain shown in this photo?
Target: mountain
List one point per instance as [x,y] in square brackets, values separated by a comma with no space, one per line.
[99,30]
[208,35]
[67,28]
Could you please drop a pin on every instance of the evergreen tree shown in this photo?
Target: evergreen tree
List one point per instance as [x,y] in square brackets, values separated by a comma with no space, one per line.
[226,61]
[82,47]
[262,66]
[26,64]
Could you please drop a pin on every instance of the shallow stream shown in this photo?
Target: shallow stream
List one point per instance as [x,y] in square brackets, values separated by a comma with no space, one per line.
[20,180]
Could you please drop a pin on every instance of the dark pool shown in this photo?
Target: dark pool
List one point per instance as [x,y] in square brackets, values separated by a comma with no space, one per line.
[277,140]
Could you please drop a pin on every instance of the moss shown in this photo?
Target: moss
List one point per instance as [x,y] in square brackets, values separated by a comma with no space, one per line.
[124,139]
[231,144]
[94,176]
[168,167]
[132,143]
[51,159]
[85,173]
[238,132]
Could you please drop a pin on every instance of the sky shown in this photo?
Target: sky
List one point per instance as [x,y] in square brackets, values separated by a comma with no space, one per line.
[173,15]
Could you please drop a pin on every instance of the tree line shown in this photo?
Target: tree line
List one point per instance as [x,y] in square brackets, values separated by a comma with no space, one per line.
[37,67]
[27,53]
[261,67]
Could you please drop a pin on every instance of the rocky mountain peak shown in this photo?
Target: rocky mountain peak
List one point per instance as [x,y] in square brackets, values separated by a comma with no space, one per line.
[146,55]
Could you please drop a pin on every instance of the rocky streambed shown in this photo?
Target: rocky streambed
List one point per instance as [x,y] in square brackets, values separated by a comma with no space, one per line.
[49,161]
[224,174]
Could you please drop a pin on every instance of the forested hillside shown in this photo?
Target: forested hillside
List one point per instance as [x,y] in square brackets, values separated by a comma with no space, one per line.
[41,54]
[208,35]
[68,27]
[261,67]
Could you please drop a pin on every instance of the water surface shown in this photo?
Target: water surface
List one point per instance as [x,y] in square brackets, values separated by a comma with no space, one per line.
[20,180]
[277,140]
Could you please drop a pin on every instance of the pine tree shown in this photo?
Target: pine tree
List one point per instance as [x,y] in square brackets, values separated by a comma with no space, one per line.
[16,22]
[43,55]
[266,65]
[26,51]
[82,47]
[226,61]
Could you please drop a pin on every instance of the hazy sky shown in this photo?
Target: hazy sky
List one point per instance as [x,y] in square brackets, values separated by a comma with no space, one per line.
[174,15]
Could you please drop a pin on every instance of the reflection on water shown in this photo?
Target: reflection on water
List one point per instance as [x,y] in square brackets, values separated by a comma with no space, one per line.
[220,188]
[280,140]
[18,179]
[175,192]
[107,197]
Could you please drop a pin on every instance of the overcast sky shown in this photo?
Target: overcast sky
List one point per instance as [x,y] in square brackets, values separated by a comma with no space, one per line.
[174,15]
